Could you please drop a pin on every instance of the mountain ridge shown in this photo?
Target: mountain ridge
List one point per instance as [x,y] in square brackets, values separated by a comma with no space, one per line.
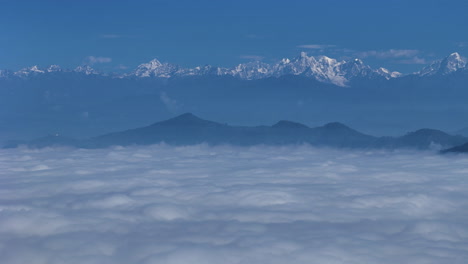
[188,129]
[321,68]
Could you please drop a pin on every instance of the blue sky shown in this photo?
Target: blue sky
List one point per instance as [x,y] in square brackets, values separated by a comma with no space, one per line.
[118,35]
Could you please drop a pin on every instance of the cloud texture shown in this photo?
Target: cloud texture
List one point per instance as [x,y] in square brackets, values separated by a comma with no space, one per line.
[91,60]
[201,204]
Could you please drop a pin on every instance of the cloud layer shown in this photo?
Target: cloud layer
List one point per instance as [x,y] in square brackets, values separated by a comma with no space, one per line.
[91,60]
[201,204]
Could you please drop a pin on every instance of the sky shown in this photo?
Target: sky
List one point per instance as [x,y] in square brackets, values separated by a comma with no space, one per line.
[202,205]
[119,35]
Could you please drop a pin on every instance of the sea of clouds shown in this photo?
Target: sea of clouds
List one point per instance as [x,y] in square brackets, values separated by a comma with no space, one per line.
[204,205]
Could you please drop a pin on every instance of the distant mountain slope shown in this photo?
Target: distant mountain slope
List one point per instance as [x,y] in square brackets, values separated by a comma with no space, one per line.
[450,64]
[457,149]
[188,129]
[427,138]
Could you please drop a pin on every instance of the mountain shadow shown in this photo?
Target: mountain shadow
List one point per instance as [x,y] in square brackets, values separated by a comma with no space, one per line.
[457,149]
[188,129]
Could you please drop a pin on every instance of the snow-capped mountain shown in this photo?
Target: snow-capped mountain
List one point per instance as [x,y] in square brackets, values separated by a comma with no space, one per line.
[201,70]
[321,68]
[54,68]
[87,70]
[29,71]
[388,74]
[155,68]
[449,64]
[250,71]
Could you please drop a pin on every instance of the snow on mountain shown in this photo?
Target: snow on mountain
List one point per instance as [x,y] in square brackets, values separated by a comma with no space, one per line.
[87,70]
[296,66]
[250,71]
[328,70]
[155,68]
[449,64]
[321,68]
[388,74]
[54,68]
[200,70]
[29,71]
[35,70]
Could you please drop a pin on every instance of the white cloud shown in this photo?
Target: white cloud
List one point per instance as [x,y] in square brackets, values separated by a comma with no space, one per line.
[414,60]
[392,53]
[201,204]
[93,60]
[316,46]
[171,104]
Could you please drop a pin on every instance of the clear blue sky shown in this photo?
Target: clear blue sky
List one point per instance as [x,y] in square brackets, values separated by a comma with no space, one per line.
[401,34]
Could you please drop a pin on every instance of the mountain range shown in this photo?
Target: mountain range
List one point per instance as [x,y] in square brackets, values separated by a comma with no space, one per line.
[321,68]
[188,129]
[83,102]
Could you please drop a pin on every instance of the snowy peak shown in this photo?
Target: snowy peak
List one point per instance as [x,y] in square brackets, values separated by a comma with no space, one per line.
[155,68]
[452,63]
[449,64]
[321,68]
[29,71]
[87,70]
[153,64]
[388,74]
[35,70]
[200,71]
[251,71]
[54,68]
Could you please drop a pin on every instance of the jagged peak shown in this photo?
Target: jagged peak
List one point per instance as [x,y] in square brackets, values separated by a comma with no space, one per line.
[387,73]
[54,68]
[322,68]
[154,62]
[35,68]
[449,64]
[285,61]
[327,60]
[86,69]
[156,68]
[358,61]
[29,70]
[383,70]
[455,55]
[455,58]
